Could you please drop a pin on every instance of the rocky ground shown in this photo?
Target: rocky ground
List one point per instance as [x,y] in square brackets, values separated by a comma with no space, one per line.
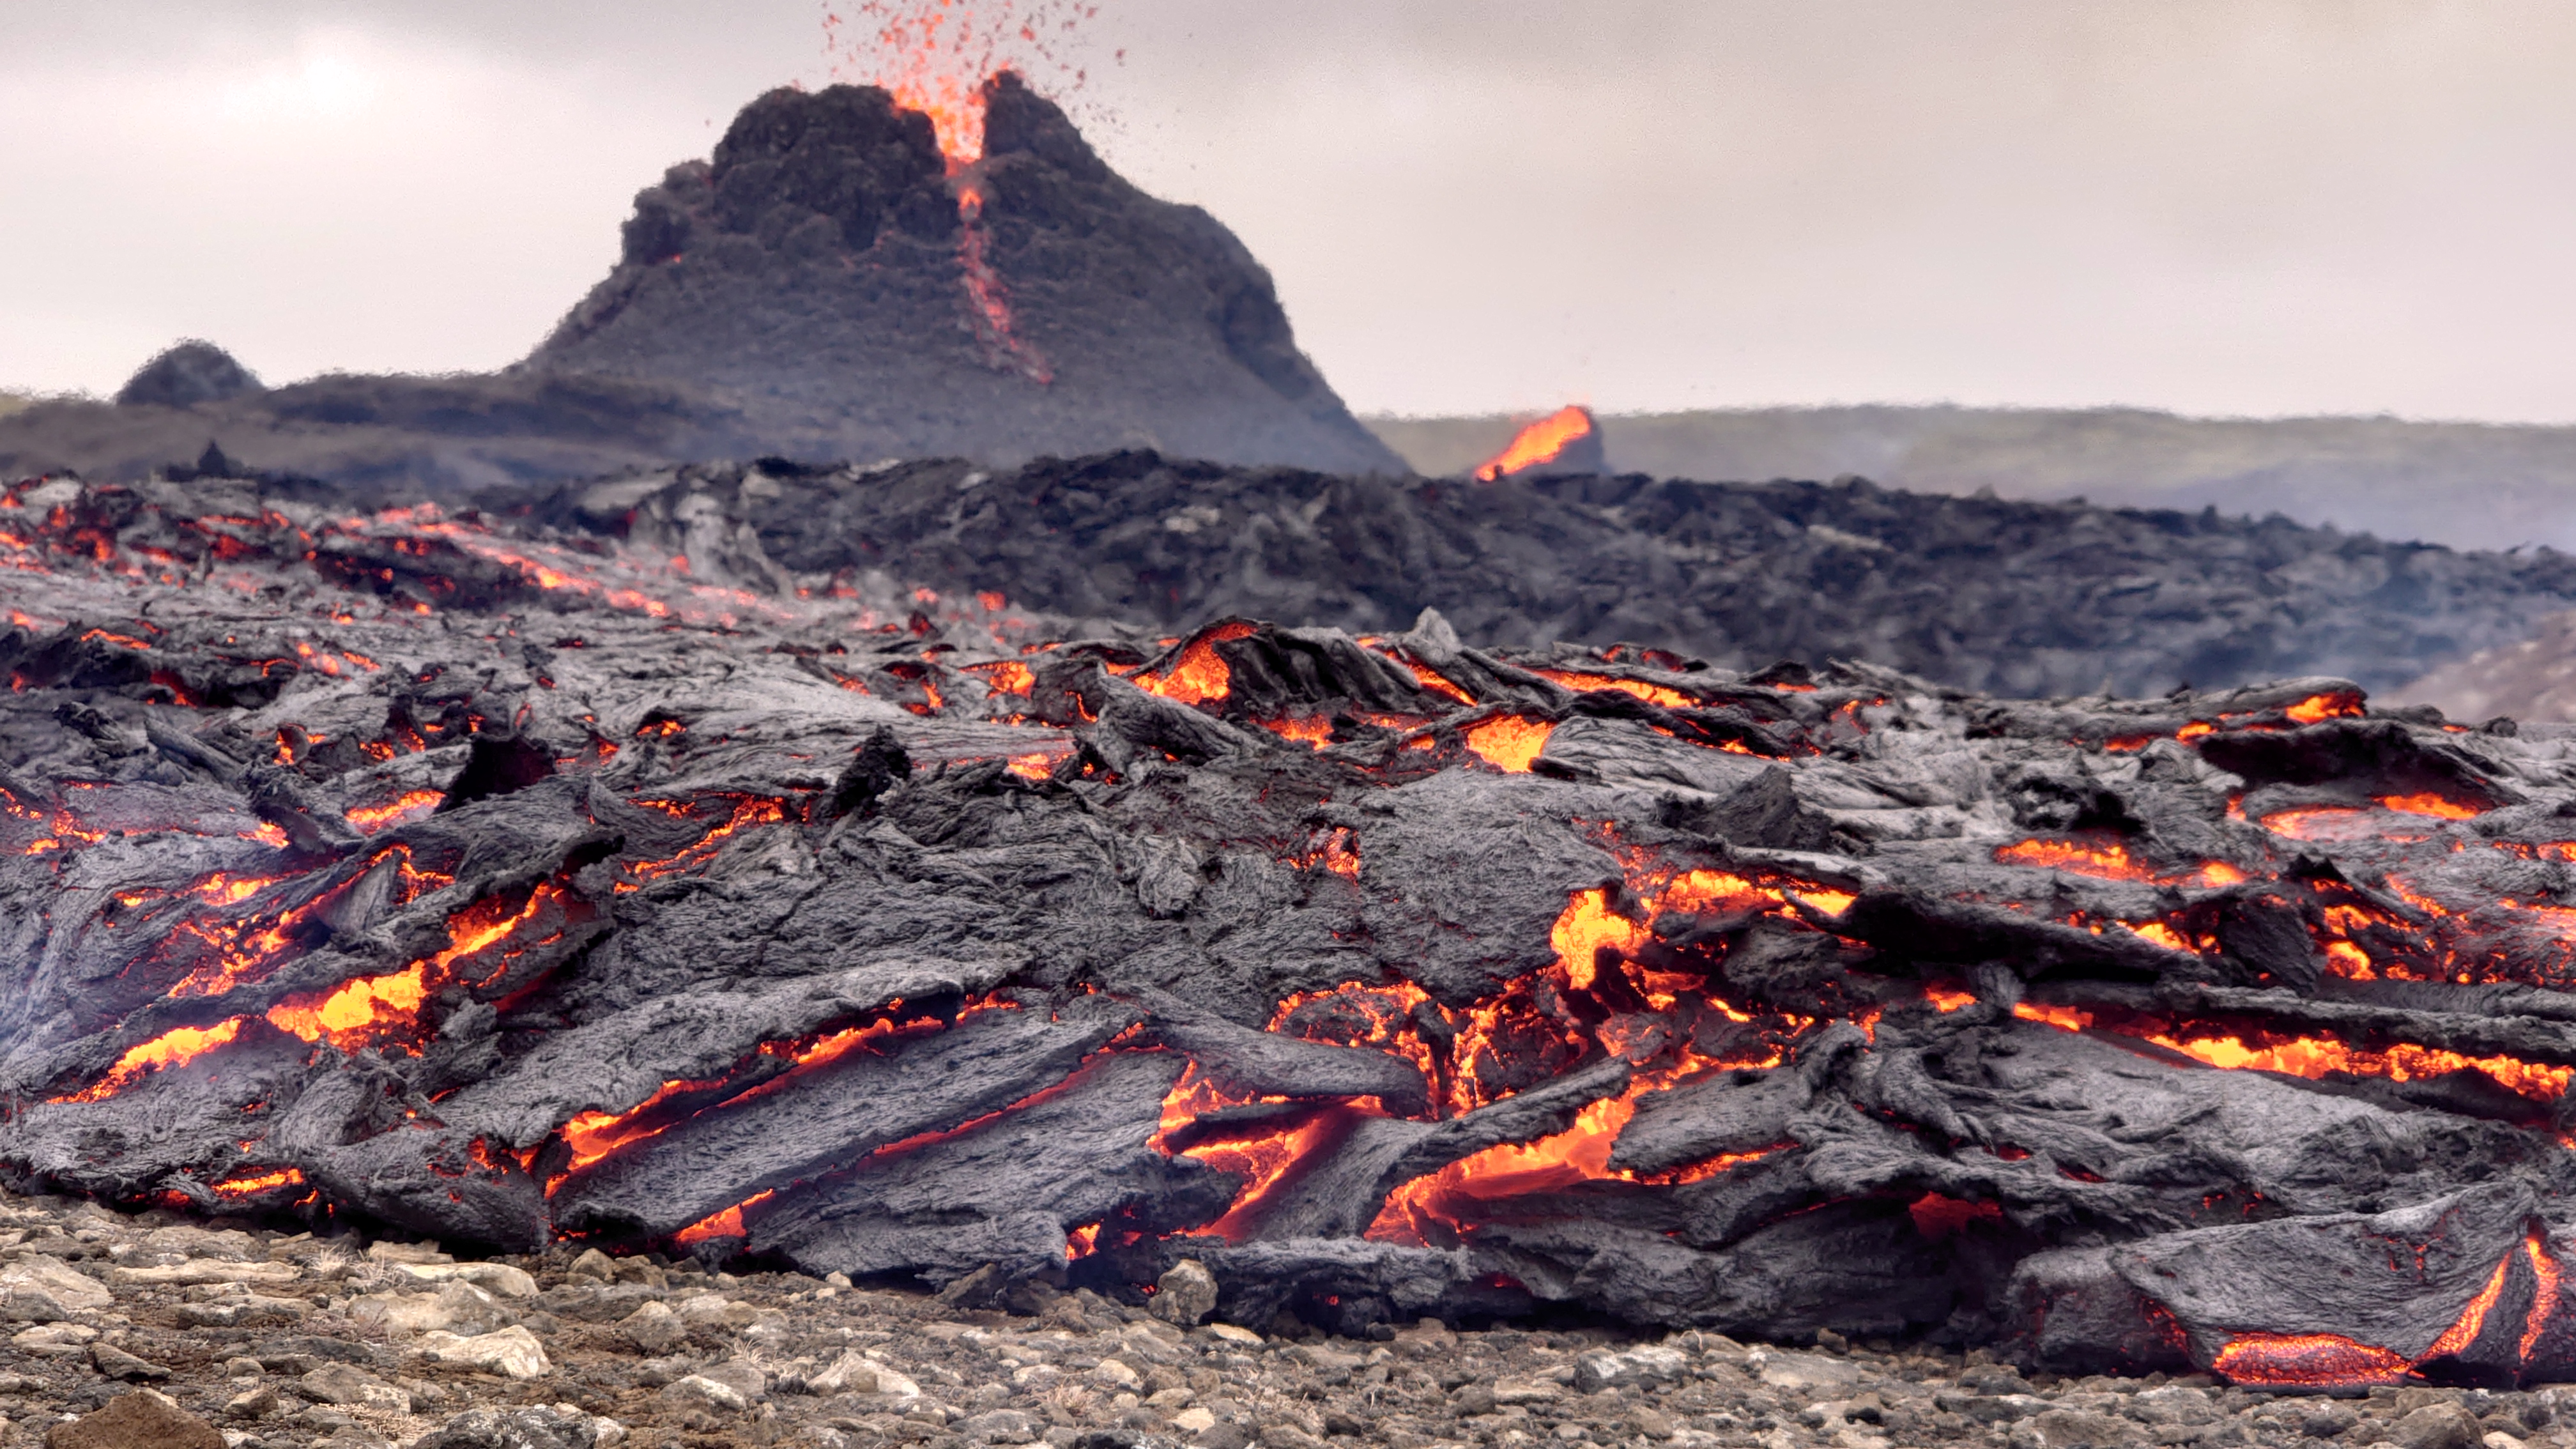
[154,1330]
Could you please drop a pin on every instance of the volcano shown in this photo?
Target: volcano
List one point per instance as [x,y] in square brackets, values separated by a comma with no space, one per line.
[830,285]
[617,882]
[868,295]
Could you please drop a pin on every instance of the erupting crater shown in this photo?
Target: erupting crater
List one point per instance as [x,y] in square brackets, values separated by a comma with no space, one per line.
[594,875]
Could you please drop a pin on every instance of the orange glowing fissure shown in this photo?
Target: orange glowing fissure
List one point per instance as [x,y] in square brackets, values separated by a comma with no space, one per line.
[1008,677]
[1432,680]
[2328,1360]
[731,1222]
[726,1224]
[244,949]
[1436,1207]
[1510,743]
[1541,442]
[1664,695]
[371,1007]
[1200,675]
[2314,1057]
[936,57]
[171,1049]
[747,812]
[1312,731]
[2315,709]
[349,1015]
[411,805]
[243,1187]
[593,1135]
[2112,861]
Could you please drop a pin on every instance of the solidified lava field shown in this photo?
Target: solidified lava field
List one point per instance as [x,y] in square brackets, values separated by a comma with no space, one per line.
[601,877]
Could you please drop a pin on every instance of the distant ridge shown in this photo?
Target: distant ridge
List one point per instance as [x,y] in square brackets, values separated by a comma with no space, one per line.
[2469,485]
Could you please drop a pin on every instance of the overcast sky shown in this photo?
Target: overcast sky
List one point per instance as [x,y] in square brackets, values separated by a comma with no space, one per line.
[2245,207]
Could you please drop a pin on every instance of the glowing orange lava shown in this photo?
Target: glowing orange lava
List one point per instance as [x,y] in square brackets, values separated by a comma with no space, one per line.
[2314,1057]
[1509,743]
[413,804]
[1586,926]
[1200,675]
[2426,804]
[2110,860]
[2546,1280]
[242,1187]
[1008,677]
[2326,1360]
[1664,695]
[1432,680]
[1541,442]
[1337,851]
[2307,1360]
[747,812]
[1312,731]
[174,1048]
[2317,708]
[726,1224]
[363,1009]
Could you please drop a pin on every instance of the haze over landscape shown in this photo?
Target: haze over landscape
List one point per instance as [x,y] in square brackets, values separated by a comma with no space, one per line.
[2239,210]
[837,723]
[2279,260]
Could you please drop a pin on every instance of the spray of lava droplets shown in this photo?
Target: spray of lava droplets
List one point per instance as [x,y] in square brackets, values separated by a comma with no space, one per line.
[934,56]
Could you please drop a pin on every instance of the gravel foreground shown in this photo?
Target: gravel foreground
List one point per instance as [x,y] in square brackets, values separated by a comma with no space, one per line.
[150,1330]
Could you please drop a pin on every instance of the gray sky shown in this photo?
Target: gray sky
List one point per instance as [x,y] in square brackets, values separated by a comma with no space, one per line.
[2216,206]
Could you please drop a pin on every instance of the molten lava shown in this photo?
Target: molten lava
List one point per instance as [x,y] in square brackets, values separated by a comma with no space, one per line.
[174,1048]
[1581,683]
[1540,443]
[368,819]
[2314,1057]
[1200,675]
[2306,1360]
[1510,742]
[2326,1360]
[2110,860]
[938,57]
[378,1008]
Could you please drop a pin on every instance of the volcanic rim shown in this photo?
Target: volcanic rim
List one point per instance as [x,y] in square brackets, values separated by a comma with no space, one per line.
[500,881]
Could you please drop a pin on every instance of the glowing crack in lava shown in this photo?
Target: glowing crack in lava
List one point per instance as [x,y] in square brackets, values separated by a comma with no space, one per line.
[1540,443]
[2329,1360]
[1712,992]
[939,57]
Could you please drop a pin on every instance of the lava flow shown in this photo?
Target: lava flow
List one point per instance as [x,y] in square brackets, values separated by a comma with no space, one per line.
[941,59]
[1539,444]
[581,890]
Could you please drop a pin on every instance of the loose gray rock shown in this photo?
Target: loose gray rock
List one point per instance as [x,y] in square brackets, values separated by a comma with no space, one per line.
[1185,1295]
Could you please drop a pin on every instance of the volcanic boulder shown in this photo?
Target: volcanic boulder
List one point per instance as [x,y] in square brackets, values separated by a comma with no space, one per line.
[826,268]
